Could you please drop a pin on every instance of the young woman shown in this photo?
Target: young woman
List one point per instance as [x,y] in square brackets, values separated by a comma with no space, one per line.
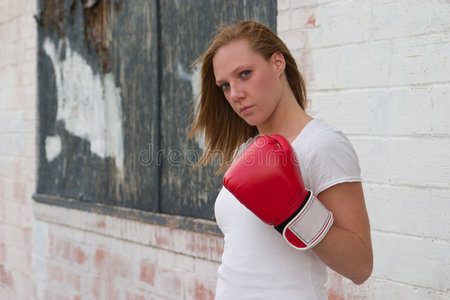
[251,88]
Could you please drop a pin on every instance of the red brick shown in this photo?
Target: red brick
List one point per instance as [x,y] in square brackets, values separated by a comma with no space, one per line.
[162,239]
[333,296]
[216,247]
[56,273]
[73,280]
[112,290]
[96,287]
[62,249]
[134,296]
[147,273]
[101,224]
[202,292]
[78,255]
[99,259]
[111,264]
[6,277]
[2,252]
[199,245]
[335,290]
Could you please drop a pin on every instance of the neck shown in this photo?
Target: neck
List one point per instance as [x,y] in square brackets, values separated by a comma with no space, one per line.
[288,118]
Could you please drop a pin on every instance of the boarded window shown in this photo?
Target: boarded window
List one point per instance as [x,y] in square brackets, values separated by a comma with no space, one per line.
[115,94]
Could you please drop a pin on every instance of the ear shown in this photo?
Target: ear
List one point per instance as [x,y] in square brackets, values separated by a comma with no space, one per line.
[278,62]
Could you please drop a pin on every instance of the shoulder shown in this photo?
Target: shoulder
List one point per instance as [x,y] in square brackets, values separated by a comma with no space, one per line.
[243,146]
[328,155]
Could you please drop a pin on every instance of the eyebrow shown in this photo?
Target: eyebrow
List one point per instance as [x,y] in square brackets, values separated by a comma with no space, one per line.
[235,70]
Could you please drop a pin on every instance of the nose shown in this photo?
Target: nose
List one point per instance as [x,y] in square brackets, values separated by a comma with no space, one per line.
[236,92]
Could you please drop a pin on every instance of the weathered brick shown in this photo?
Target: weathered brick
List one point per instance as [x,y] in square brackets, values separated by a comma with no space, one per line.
[131,295]
[169,283]
[200,289]
[6,277]
[79,254]
[111,264]
[147,272]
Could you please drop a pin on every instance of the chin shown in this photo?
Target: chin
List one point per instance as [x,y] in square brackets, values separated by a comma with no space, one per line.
[252,122]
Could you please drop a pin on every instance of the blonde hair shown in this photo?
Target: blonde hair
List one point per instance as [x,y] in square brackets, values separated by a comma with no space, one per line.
[223,129]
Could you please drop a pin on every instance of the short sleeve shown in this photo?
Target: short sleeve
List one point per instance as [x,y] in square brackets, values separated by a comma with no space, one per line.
[332,160]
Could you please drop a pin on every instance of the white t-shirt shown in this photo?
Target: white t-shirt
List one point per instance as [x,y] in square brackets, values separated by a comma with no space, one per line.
[257,263]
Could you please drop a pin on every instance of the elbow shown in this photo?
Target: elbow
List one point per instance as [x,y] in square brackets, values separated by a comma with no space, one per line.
[363,274]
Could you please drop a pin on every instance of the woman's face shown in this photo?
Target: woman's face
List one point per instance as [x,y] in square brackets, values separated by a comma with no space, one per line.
[251,84]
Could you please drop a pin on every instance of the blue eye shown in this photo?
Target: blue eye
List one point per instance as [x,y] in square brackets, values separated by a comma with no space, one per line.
[225,86]
[245,73]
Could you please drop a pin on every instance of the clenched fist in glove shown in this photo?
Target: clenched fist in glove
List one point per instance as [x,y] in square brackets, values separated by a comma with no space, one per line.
[266,178]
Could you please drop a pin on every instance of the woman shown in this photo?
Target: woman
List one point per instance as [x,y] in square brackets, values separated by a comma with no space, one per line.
[251,86]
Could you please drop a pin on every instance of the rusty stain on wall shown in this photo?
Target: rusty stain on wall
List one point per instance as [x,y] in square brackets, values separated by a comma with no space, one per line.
[96,26]
[97,16]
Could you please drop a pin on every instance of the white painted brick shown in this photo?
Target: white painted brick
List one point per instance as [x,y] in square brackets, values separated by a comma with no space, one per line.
[8,54]
[187,264]
[349,111]
[405,161]
[206,267]
[283,21]
[381,289]
[30,55]
[418,60]
[383,112]
[26,27]
[11,121]
[411,260]
[11,144]
[19,259]
[303,18]
[39,265]
[401,111]
[352,66]
[282,5]
[439,213]
[294,39]
[340,23]
[392,19]
[4,12]
[440,120]
[391,209]
[19,214]
[302,3]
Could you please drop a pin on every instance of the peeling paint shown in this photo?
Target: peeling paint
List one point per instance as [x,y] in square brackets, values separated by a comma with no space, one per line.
[90,105]
[52,147]
[97,15]
[195,81]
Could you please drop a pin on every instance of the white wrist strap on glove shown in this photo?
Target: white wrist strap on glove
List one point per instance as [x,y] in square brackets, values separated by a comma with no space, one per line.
[309,226]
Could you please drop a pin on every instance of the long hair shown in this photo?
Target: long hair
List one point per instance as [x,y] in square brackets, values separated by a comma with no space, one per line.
[224,131]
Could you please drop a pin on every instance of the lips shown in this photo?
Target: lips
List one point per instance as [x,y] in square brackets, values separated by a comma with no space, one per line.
[245,109]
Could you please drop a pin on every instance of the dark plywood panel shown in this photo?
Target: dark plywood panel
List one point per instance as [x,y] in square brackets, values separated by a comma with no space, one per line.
[98,101]
[115,92]
[186,28]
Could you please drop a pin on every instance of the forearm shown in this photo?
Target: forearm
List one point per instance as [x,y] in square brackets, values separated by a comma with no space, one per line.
[346,253]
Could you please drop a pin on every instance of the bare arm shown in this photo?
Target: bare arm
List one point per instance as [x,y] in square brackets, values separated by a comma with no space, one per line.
[347,248]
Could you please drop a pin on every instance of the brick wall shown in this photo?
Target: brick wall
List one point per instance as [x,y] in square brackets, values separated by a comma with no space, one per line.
[83,255]
[17,146]
[376,69]
[380,71]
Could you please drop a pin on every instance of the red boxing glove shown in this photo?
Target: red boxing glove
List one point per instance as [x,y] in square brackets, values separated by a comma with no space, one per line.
[266,178]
